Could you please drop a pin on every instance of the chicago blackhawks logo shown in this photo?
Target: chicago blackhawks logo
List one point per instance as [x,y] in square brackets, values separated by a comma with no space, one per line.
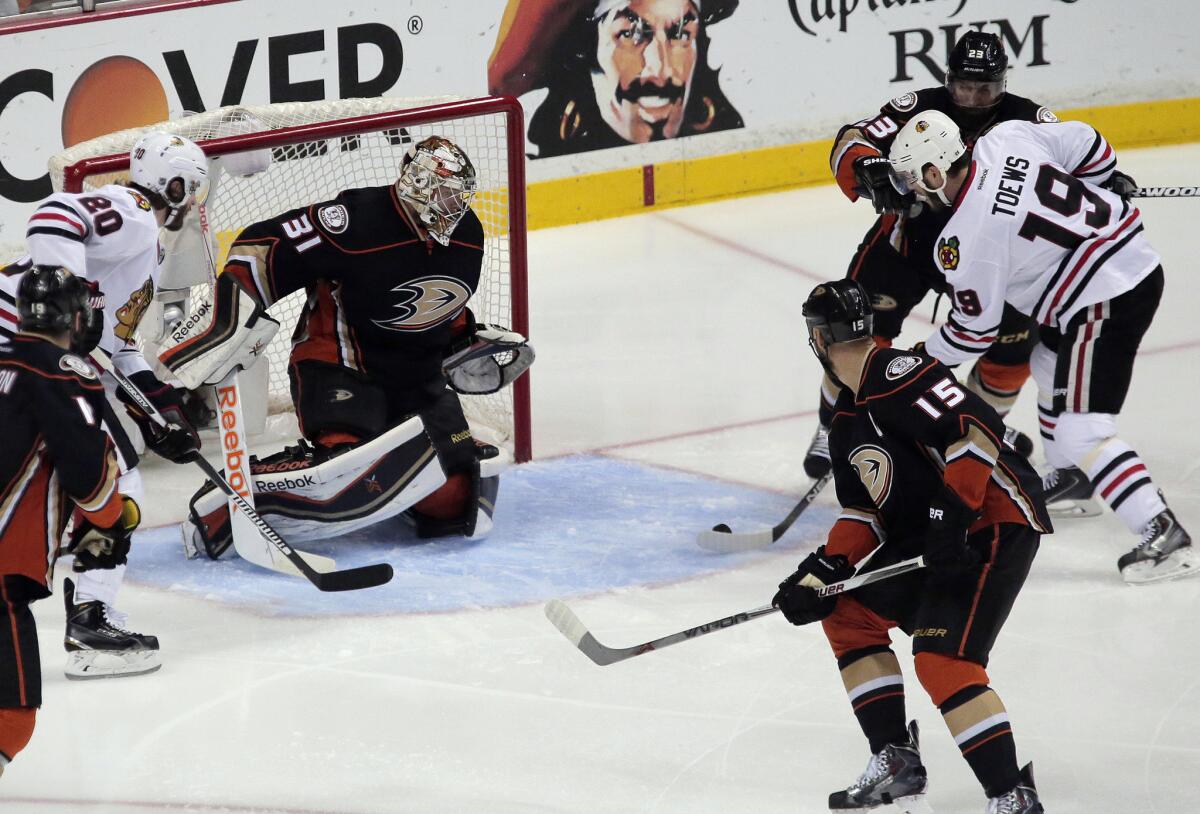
[922,126]
[874,468]
[139,199]
[425,303]
[948,252]
[130,314]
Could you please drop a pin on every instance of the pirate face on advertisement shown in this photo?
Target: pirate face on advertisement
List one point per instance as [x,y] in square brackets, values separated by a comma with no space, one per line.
[646,53]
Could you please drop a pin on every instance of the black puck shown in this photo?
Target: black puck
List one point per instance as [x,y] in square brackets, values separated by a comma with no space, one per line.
[721,527]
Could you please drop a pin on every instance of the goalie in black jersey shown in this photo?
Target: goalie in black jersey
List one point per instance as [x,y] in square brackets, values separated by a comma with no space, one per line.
[382,349]
[921,468]
[894,261]
[57,463]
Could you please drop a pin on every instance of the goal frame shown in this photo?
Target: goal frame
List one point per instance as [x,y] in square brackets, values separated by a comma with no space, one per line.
[74,176]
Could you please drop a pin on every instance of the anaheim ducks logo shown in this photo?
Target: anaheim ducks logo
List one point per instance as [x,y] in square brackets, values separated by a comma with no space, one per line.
[948,253]
[130,314]
[425,303]
[874,468]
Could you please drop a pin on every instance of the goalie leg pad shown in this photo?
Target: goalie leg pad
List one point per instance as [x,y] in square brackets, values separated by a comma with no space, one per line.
[306,498]
[331,398]
[474,518]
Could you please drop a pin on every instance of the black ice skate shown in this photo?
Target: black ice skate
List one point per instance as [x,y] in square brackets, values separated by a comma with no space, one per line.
[1069,493]
[895,776]
[1165,552]
[816,461]
[98,648]
[1021,800]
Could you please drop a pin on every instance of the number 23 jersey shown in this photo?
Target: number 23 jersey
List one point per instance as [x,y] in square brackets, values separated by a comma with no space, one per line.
[1031,226]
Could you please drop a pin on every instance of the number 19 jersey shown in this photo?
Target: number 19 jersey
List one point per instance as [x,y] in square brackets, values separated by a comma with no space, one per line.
[1031,227]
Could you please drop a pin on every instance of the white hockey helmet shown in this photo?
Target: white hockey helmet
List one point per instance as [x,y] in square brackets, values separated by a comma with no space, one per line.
[438,180]
[172,169]
[930,137]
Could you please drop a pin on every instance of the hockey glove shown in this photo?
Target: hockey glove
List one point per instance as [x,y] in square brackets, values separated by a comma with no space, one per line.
[948,558]
[487,360]
[177,441]
[797,597]
[877,181]
[1121,184]
[103,548]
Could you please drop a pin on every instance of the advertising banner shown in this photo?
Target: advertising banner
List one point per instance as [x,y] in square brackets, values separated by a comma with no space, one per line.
[606,84]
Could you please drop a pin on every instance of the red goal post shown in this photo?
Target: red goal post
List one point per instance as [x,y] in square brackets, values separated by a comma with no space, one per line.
[316,150]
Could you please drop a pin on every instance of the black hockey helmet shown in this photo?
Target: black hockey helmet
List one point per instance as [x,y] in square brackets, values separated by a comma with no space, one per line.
[977,69]
[839,311]
[48,299]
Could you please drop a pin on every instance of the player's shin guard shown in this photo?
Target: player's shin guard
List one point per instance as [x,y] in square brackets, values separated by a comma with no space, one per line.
[1116,472]
[16,728]
[980,726]
[464,506]
[875,688]
[997,384]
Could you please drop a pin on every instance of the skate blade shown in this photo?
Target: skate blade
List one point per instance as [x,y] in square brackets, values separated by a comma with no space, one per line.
[85,665]
[915,804]
[1177,565]
[1088,507]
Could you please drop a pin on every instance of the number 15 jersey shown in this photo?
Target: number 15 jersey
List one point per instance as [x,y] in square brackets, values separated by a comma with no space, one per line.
[1031,227]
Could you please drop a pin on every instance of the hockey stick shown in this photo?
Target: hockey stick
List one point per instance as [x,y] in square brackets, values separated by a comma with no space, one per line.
[366,576]
[724,541]
[568,623]
[1166,192]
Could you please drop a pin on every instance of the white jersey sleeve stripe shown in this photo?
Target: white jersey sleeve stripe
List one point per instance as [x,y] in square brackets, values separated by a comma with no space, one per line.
[54,219]
[68,212]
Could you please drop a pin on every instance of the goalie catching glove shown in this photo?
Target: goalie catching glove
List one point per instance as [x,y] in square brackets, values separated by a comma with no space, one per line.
[103,547]
[227,333]
[487,361]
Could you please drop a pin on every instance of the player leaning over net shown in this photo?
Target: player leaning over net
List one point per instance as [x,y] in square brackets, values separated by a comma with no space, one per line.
[921,468]
[1033,227]
[384,342]
[893,261]
[109,237]
[56,457]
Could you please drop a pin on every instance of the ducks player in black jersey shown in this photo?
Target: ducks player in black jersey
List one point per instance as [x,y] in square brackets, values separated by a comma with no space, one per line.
[57,463]
[893,262]
[921,468]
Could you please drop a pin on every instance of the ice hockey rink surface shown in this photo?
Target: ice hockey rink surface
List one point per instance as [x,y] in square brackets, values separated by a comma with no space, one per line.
[673,390]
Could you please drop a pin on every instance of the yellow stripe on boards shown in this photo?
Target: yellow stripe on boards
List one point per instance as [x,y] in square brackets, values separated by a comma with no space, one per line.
[612,194]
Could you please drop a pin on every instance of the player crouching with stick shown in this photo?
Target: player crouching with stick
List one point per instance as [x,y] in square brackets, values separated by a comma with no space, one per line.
[920,467]
[52,408]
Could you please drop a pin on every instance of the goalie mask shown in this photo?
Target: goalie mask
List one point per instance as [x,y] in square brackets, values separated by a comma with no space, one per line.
[438,181]
[929,138]
[172,171]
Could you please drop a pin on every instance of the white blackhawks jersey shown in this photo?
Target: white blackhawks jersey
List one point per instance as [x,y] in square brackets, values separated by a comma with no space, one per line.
[108,236]
[1032,228]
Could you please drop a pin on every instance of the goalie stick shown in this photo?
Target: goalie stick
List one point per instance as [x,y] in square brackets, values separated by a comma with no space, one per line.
[568,624]
[722,540]
[351,579]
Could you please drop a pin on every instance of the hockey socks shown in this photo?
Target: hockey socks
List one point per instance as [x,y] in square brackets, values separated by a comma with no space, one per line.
[876,690]
[1123,482]
[979,723]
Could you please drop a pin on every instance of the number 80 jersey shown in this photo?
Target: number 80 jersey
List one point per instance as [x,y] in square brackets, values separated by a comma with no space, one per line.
[1031,226]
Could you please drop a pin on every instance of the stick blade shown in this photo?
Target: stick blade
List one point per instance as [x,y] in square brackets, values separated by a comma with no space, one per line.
[732,542]
[568,625]
[353,579]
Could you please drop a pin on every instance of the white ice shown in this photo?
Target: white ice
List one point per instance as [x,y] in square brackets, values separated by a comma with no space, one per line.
[673,390]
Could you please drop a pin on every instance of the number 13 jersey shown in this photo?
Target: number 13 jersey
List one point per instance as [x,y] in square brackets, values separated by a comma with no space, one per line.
[1031,227]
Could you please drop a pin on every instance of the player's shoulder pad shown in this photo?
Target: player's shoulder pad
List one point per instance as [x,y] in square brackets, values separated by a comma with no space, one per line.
[469,230]
[892,369]
[1022,109]
[71,363]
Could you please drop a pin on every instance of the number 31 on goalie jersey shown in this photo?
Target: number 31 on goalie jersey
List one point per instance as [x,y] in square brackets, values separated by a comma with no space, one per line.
[299,229]
[946,394]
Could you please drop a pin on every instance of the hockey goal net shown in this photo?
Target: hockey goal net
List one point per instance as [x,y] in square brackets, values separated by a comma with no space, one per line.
[311,151]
